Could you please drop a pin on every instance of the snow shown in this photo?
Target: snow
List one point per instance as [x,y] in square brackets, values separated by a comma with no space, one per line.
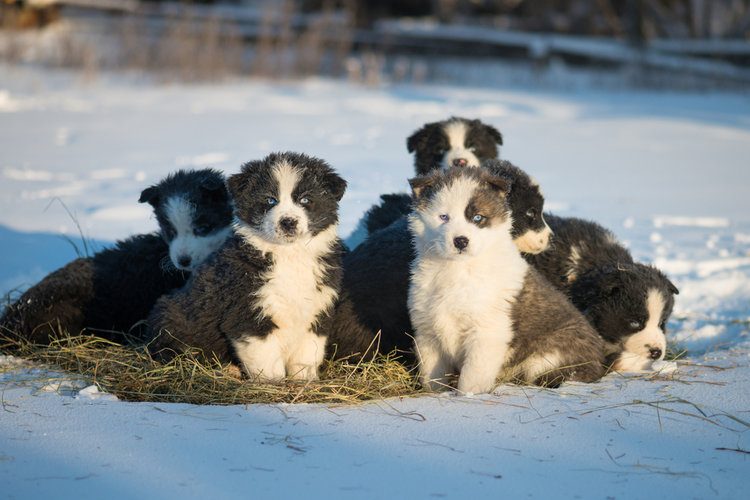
[667,172]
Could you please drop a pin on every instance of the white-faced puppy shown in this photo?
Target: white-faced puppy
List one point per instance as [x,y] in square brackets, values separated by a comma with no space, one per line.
[376,273]
[627,303]
[265,298]
[477,307]
[109,293]
[455,142]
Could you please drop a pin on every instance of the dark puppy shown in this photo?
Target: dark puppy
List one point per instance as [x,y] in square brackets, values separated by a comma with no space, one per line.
[265,298]
[627,303]
[455,142]
[109,293]
[439,145]
[477,307]
[376,273]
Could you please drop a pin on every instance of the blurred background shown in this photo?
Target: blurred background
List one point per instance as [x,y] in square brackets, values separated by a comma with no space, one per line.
[645,43]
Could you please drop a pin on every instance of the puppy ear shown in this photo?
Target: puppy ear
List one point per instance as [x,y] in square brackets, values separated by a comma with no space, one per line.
[335,185]
[672,289]
[150,195]
[419,137]
[212,184]
[421,183]
[496,182]
[237,183]
[495,134]
[214,188]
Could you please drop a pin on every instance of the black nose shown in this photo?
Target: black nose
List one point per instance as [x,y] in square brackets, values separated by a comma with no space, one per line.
[654,353]
[460,162]
[460,242]
[288,225]
[184,260]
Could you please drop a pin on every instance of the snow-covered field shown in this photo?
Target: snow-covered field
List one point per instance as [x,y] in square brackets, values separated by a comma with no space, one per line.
[667,172]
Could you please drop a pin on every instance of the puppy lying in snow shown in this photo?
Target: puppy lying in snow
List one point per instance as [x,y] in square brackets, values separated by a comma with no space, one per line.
[478,309]
[628,303]
[109,293]
[265,298]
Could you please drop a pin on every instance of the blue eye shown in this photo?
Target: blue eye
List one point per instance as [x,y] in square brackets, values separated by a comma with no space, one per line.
[477,218]
[272,201]
[445,217]
[304,200]
[635,325]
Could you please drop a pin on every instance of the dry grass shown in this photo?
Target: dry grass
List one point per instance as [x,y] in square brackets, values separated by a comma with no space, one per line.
[132,375]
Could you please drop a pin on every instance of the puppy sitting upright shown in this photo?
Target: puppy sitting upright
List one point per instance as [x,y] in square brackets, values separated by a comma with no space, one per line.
[265,296]
[627,303]
[109,293]
[477,307]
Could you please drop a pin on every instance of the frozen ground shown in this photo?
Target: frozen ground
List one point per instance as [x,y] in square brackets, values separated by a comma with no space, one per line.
[667,172]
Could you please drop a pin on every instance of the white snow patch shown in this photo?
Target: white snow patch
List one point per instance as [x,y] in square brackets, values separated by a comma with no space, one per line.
[202,160]
[93,393]
[668,220]
[122,213]
[108,174]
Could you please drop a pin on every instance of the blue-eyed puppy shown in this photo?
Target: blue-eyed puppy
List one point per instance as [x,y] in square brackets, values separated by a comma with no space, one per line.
[265,299]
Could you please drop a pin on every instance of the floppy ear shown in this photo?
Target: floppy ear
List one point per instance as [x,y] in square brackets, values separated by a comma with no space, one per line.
[214,189]
[672,289]
[150,195]
[496,182]
[495,134]
[335,185]
[237,183]
[419,137]
[419,184]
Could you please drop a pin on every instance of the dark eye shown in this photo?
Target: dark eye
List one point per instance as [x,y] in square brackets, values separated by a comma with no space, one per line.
[445,217]
[202,230]
[477,218]
[635,325]
[531,213]
[304,200]
[272,201]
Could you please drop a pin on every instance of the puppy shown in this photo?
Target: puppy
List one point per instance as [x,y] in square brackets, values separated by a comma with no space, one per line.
[266,296]
[439,145]
[109,293]
[455,142]
[476,327]
[376,273]
[627,303]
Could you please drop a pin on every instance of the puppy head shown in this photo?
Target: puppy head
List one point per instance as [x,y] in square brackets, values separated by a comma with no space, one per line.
[287,196]
[530,231]
[456,142]
[459,212]
[194,212]
[629,305]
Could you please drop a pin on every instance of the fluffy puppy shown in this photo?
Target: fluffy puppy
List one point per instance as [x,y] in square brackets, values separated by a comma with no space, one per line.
[455,142]
[265,297]
[376,273]
[109,293]
[439,145]
[627,303]
[475,327]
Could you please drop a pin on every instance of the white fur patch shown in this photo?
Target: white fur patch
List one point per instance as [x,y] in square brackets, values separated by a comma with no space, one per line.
[460,303]
[186,244]
[456,133]
[292,296]
[539,364]
[574,260]
[534,242]
[636,355]
[287,177]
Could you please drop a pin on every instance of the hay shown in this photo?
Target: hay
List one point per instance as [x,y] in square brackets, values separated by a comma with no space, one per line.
[132,375]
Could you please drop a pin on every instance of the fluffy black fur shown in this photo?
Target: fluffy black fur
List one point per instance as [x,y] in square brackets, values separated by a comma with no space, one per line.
[599,275]
[430,143]
[376,276]
[219,306]
[111,292]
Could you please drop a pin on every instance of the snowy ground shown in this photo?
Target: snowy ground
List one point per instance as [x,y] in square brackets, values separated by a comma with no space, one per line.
[667,172]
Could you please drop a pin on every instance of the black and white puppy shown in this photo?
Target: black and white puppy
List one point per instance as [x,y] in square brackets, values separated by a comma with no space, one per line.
[109,293]
[265,298]
[628,303]
[477,307]
[376,273]
[456,142]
